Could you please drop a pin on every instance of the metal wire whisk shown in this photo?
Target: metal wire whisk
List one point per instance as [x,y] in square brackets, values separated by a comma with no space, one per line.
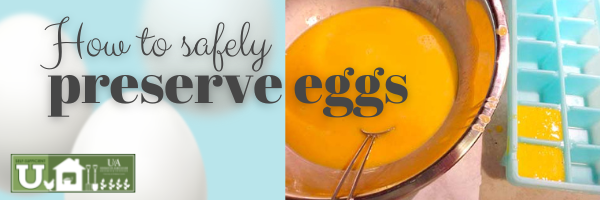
[372,137]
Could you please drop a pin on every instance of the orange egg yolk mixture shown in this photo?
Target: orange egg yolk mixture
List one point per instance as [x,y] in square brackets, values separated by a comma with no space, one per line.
[402,43]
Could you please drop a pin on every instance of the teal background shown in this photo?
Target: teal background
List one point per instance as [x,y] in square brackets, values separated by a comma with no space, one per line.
[242,160]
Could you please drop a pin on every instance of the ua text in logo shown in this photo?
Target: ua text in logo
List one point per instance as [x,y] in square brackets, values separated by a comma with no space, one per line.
[113,162]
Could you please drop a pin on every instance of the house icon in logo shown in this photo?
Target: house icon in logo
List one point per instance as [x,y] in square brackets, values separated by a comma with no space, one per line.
[69,166]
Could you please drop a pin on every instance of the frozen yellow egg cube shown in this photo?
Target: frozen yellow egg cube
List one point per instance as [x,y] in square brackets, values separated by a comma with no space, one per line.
[540,162]
[539,123]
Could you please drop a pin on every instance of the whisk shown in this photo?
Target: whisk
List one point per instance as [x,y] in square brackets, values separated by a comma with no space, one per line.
[372,137]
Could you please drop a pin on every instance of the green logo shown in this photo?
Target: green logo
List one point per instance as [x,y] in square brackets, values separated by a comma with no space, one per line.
[73,173]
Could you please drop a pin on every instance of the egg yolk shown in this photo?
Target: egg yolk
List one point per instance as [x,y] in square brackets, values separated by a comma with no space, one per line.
[484,33]
[402,43]
[536,161]
[539,123]
[540,162]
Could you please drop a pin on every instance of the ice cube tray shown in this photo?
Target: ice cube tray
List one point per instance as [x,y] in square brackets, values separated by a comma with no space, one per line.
[555,63]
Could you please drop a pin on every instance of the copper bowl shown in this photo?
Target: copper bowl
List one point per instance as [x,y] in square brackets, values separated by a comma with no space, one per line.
[479,91]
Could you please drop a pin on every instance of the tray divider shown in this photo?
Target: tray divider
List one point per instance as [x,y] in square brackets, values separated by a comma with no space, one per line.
[563,104]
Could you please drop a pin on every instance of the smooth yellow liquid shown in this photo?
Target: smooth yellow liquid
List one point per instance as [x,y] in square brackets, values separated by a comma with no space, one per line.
[484,33]
[397,40]
[541,162]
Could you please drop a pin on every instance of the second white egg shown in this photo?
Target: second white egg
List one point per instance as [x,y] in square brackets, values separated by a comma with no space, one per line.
[168,161]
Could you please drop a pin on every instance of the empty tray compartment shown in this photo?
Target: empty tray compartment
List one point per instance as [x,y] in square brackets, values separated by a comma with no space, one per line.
[584,124]
[579,59]
[578,21]
[585,165]
[542,7]
[575,8]
[576,31]
[540,55]
[582,90]
[538,86]
[536,27]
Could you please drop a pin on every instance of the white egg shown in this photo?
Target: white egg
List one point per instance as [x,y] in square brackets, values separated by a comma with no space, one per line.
[25,127]
[199,19]
[168,162]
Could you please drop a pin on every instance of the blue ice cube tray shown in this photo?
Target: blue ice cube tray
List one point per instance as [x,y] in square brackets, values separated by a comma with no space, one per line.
[555,63]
